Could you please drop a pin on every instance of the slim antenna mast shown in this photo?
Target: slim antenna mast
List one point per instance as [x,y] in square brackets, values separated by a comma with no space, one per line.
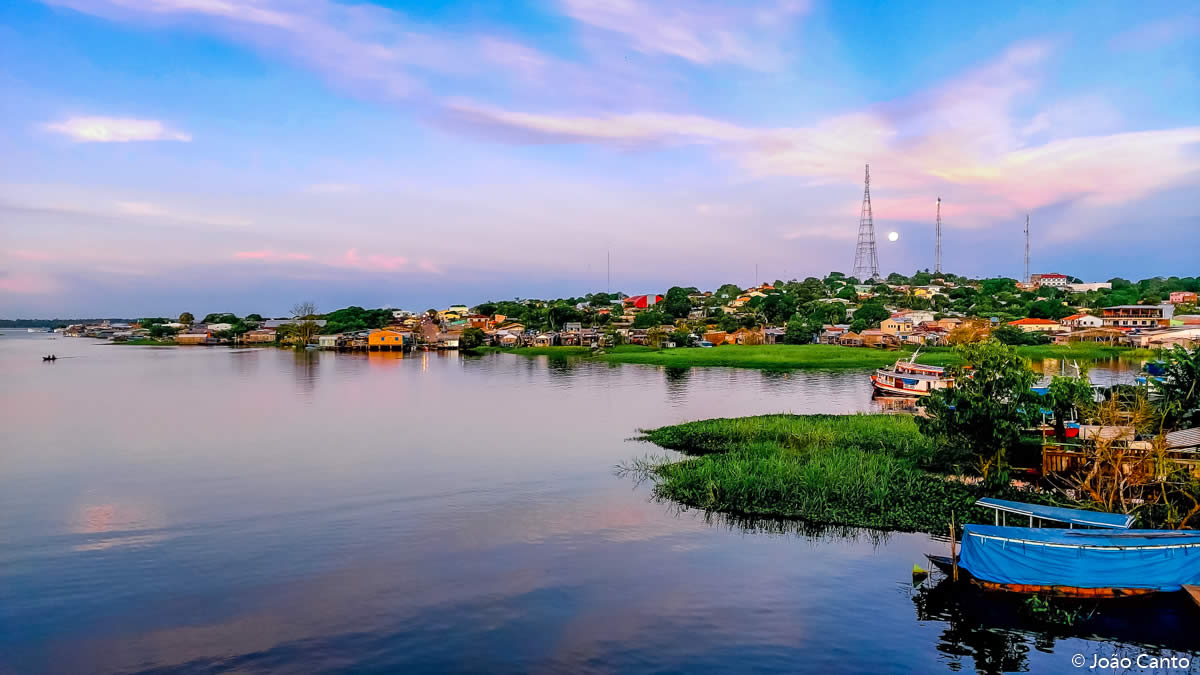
[1028,279]
[937,250]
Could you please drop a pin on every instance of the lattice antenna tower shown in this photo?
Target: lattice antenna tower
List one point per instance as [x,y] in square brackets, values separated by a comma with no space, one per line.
[866,259]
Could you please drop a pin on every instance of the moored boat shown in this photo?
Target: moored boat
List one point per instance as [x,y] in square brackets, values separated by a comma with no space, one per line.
[909,378]
[1080,563]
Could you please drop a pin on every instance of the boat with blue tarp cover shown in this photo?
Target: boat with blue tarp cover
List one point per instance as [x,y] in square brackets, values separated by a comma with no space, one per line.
[1057,514]
[1080,563]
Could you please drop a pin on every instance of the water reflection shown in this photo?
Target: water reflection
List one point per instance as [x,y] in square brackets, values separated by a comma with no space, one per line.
[995,632]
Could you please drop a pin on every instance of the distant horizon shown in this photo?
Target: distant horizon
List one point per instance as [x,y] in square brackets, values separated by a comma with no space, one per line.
[422,306]
[174,152]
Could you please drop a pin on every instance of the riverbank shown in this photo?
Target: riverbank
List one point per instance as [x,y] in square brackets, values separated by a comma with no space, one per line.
[797,357]
[854,470]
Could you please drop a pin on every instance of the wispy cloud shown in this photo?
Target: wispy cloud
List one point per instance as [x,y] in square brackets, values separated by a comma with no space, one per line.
[115,130]
[699,31]
[271,256]
[965,133]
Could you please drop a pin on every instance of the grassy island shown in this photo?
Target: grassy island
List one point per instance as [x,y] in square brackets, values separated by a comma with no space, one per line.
[857,470]
[806,357]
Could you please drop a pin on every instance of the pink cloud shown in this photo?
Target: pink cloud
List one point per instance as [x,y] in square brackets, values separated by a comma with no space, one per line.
[269,255]
[19,283]
[373,261]
[32,256]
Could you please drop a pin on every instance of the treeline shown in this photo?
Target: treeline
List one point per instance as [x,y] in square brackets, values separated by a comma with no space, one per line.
[53,323]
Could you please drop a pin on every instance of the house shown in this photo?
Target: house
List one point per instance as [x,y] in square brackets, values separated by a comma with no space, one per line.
[458,309]
[276,323]
[832,334]
[748,336]
[385,338]
[480,321]
[510,340]
[949,322]
[850,339]
[1085,288]
[259,336]
[1051,280]
[328,341]
[1186,320]
[449,339]
[773,336]
[1137,316]
[642,301]
[1183,297]
[875,337]
[1032,325]
[1081,321]
[1164,338]
[193,338]
[1091,334]
[545,340]
[219,327]
[897,325]
[717,337]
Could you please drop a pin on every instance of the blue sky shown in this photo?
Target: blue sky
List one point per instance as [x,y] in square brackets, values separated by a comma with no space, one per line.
[241,155]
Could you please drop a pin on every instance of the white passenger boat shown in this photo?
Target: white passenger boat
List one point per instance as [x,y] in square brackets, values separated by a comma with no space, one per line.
[909,378]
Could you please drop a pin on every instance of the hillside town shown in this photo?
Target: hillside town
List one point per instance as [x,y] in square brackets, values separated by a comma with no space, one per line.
[899,311]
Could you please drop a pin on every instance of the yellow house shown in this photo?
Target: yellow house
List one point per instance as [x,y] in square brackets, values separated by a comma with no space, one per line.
[897,325]
[385,339]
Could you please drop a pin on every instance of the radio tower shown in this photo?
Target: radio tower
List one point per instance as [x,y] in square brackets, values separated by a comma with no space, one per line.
[1027,277]
[866,260]
[937,249]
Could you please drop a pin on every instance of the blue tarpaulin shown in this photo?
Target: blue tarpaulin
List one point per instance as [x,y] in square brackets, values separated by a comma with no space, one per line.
[1059,514]
[1156,559]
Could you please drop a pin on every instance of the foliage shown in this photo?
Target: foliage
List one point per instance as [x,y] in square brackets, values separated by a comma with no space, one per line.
[225,317]
[1011,335]
[872,313]
[159,330]
[1179,388]
[352,319]
[1066,395]
[774,357]
[983,415]
[306,328]
[676,303]
[186,318]
[471,338]
[650,317]
[860,470]
[801,330]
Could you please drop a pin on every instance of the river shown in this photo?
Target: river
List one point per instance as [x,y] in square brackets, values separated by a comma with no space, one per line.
[264,510]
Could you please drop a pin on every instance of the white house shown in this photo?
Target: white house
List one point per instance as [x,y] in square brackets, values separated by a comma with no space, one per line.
[1082,321]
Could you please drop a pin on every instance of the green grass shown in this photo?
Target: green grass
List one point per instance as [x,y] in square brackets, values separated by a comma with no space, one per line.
[1083,351]
[855,470]
[781,357]
[796,357]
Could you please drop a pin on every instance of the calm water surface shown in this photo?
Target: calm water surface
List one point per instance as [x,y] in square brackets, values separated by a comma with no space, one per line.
[210,510]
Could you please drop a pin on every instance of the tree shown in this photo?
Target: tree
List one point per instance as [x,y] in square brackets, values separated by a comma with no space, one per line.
[471,338]
[486,309]
[676,303]
[158,330]
[858,326]
[1065,395]
[1011,335]
[254,317]
[186,318]
[873,313]
[1179,388]
[801,330]
[984,413]
[306,327]
[648,318]
[728,291]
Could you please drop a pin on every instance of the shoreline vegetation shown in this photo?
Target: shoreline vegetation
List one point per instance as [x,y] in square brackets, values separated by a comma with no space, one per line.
[863,470]
[800,357]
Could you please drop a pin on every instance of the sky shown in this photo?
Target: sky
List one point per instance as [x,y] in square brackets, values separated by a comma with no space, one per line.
[162,156]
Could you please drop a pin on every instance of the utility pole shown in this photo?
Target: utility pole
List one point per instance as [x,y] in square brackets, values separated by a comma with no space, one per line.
[1027,277]
[866,259]
[937,251]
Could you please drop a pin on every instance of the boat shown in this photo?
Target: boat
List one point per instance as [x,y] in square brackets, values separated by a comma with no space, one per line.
[1108,560]
[909,378]
[1193,591]
[50,358]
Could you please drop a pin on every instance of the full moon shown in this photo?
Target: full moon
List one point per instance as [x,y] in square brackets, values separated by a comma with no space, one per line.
[893,236]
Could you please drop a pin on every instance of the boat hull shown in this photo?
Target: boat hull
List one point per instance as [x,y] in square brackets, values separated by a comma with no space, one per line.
[892,390]
[946,565]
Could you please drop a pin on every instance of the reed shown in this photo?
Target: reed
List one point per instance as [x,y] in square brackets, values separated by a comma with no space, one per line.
[853,470]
